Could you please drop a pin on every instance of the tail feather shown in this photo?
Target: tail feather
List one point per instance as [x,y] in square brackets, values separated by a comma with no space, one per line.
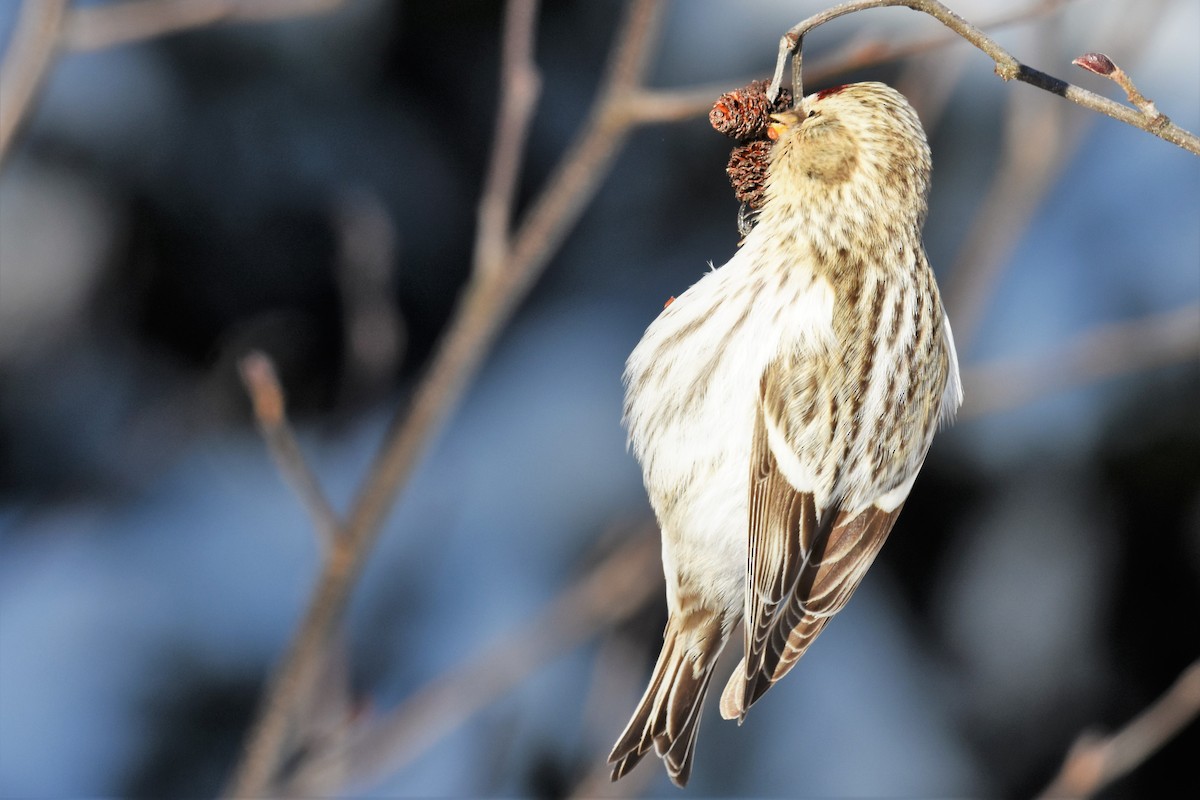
[668,716]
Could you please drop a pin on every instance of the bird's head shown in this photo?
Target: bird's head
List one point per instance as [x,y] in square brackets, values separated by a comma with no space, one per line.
[862,138]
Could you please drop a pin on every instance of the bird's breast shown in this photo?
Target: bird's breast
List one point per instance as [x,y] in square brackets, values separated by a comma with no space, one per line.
[693,381]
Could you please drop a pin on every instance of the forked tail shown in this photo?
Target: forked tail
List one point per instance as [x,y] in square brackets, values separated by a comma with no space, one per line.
[668,715]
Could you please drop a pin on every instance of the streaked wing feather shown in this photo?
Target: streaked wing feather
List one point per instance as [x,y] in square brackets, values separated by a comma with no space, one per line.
[782,525]
[825,585]
[803,562]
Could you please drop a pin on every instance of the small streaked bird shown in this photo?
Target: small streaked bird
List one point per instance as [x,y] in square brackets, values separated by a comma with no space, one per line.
[782,406]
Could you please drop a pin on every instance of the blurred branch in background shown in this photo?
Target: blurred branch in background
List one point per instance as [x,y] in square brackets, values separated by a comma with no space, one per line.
[375,334]
[1094,762]
[262,384]
[27,61]
[619,585]
[114,24]
[46,28]
[504,267]
[1107,351]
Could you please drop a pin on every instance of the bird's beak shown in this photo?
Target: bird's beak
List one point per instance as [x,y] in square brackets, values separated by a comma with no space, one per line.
[777,127]
[779,122]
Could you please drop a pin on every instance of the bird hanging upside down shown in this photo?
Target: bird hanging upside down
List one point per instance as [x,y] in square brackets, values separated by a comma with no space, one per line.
[782,406]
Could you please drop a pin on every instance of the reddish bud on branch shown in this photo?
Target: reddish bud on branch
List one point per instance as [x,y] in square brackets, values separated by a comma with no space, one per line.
[1097,63]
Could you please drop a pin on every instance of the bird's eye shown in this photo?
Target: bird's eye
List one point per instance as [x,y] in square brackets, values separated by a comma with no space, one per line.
[813,113]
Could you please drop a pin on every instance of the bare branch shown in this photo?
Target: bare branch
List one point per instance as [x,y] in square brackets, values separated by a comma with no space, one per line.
[26,63]
[487,303]
[1094,762]
[114,24]
[520,85]
[1006,66]
[1105,352]
[1017,189]
[672,105]
[615,588]
[258,374]
[577,178]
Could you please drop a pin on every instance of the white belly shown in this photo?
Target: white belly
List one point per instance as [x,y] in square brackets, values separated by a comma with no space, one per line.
[693,390]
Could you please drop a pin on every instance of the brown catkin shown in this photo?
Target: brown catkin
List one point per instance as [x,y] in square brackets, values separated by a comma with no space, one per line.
[745,113]
[747,171]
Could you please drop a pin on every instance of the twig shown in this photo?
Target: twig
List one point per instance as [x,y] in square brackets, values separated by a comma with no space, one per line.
[520,87]
[672,105]
[1103,65]
[488,301]
[1105,352]
[1017,188]
[1006,66]
[114,24]
[26,63]
[1095,762]
[615,588]
[262,384]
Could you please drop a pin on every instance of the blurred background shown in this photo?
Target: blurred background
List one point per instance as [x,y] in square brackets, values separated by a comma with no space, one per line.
[307,187]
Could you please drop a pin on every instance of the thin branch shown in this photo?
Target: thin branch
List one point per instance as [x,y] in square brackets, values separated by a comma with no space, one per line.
[520,85]
[114,24]
[615,588]
[1106,352]
[1017,188]
[270,411]
[1104,66]
[577,178]
[26,63]
[1095,762]
[672,105]
[1006,66]
[488,301]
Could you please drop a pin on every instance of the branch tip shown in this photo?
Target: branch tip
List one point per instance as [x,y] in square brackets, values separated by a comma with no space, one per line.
[262,383]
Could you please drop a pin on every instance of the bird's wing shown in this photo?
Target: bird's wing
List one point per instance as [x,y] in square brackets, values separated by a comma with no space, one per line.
[804,561]
[952,395]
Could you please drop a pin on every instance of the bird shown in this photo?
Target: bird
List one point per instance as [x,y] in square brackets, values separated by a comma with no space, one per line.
[782,406]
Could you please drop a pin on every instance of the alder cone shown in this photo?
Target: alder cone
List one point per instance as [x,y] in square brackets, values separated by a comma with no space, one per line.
[747,171]
[745,113]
